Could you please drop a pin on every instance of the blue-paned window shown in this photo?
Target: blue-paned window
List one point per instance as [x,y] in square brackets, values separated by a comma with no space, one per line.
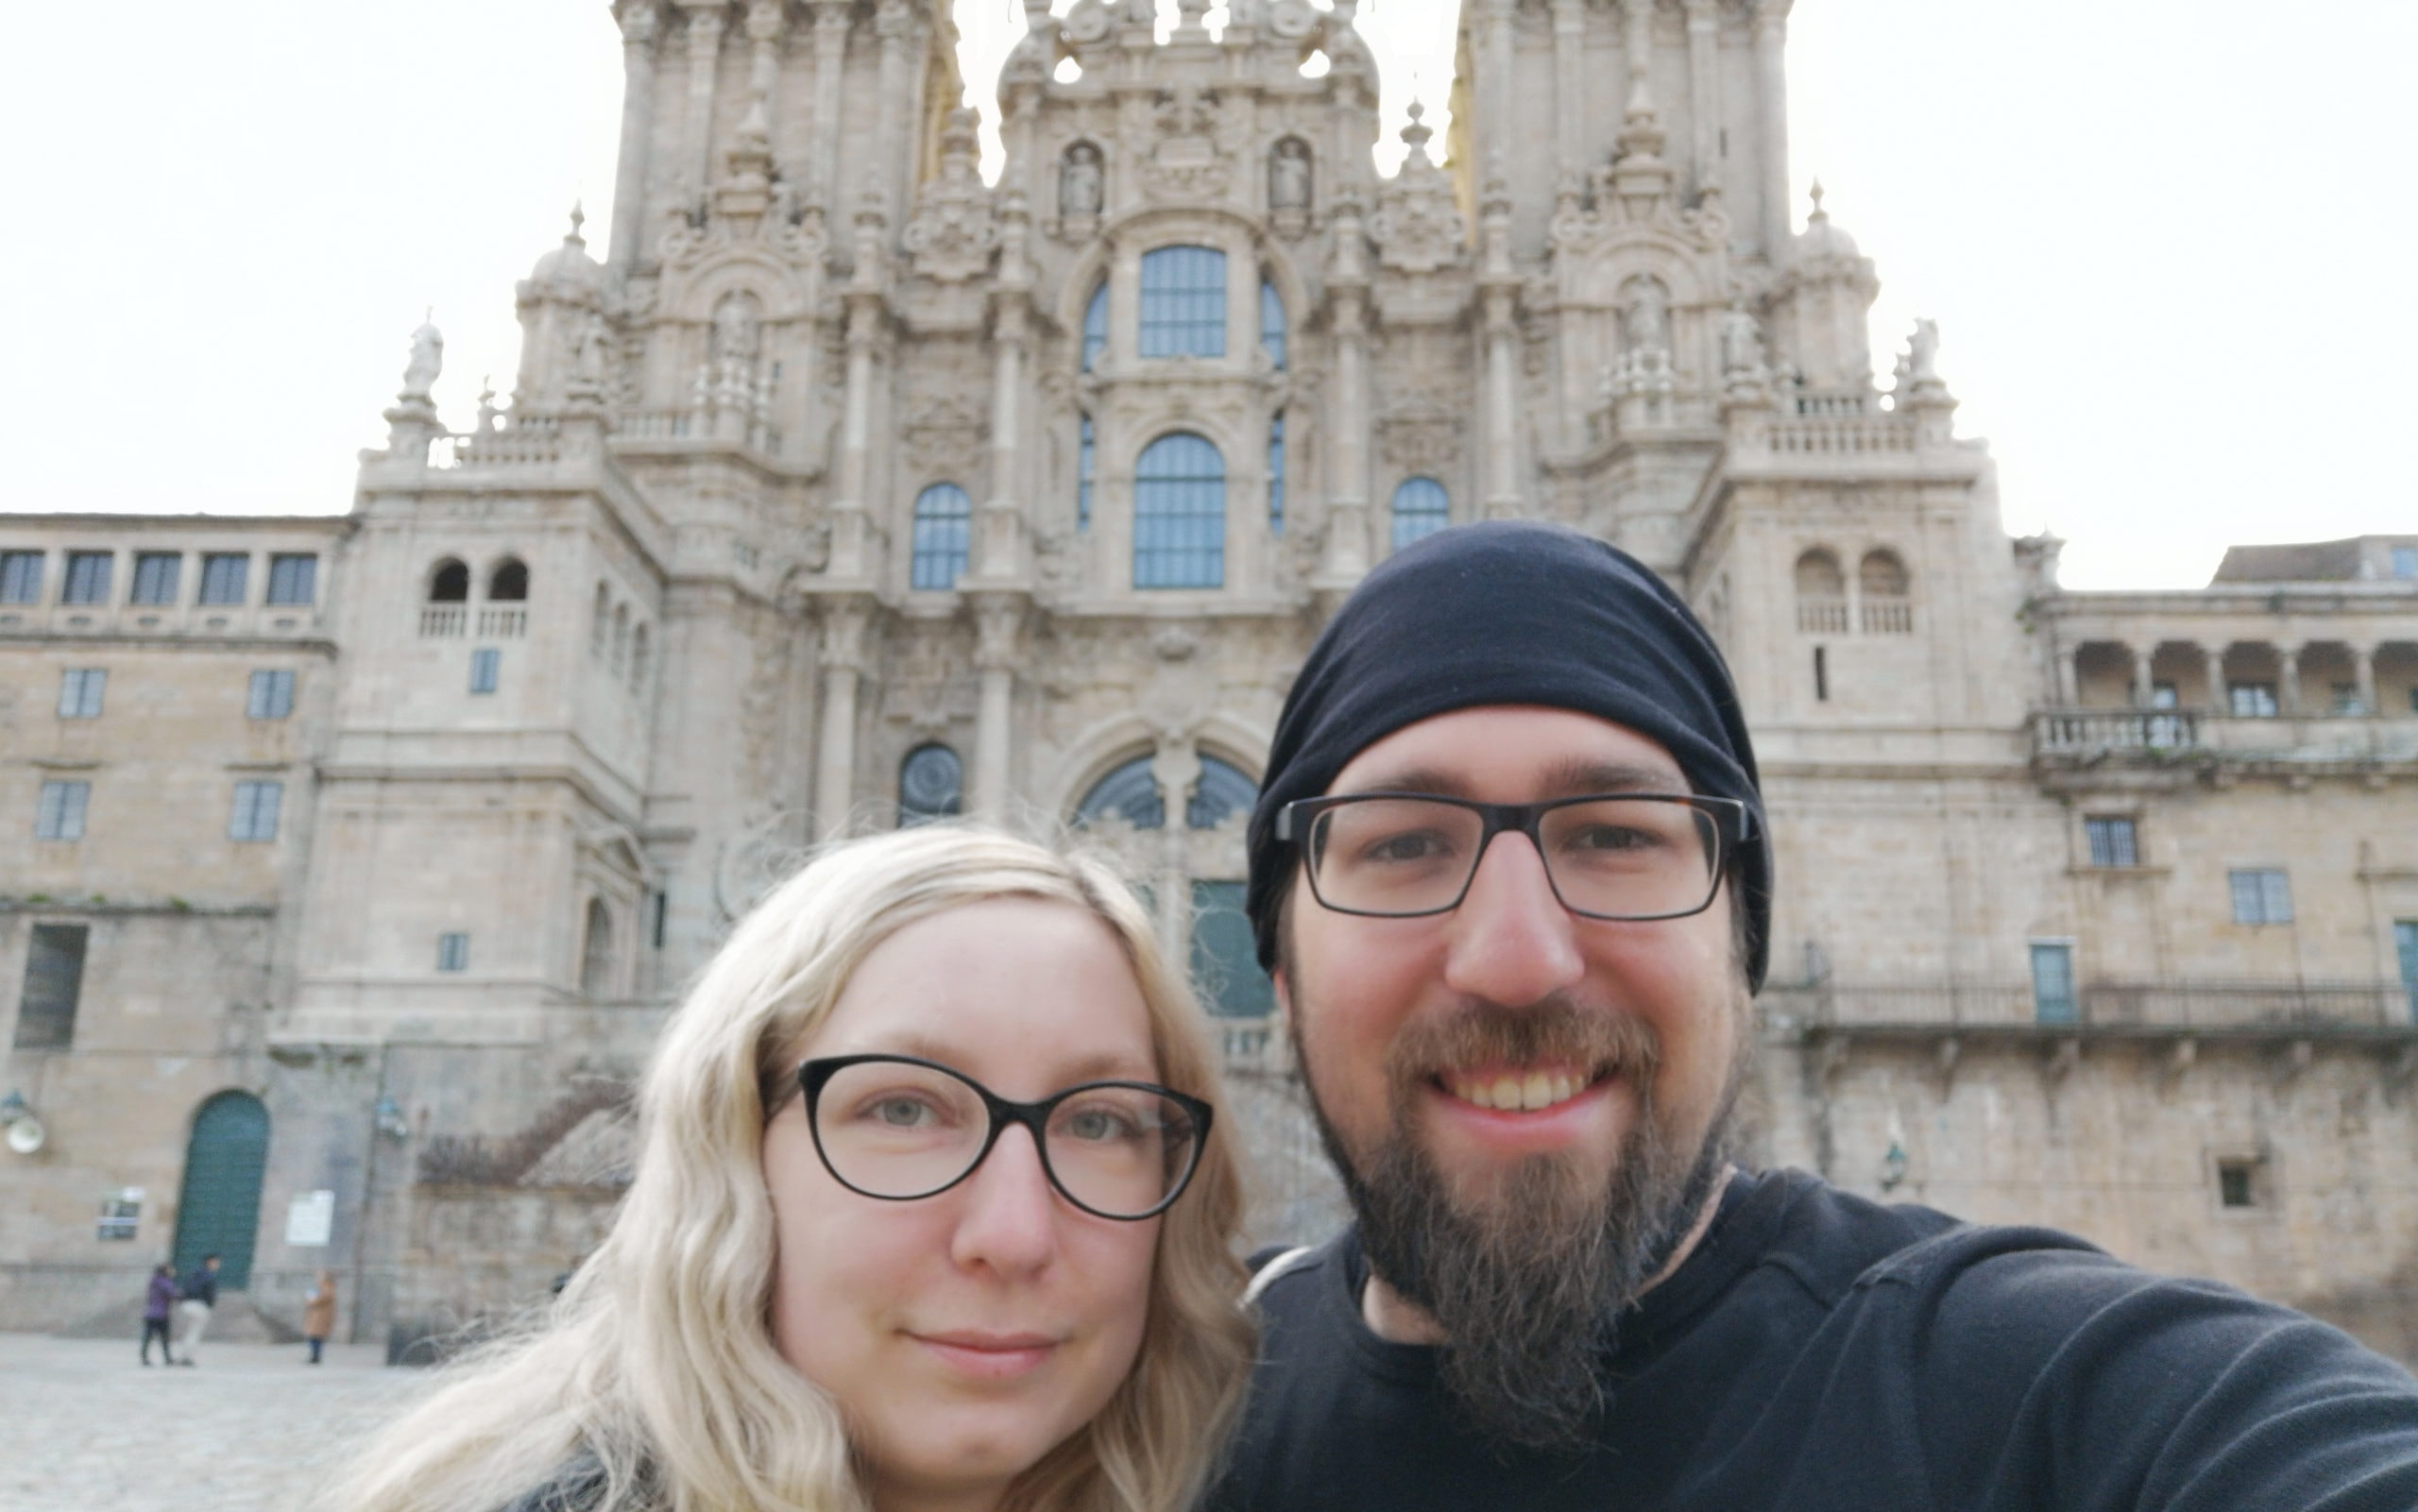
[154,576]
[1096,325]
[453,952]
[1131,790]
[1084,455]
[1179,515]
[1276,473]
[79,692]
[223,575]
[1222,791]
[254,817]
[20,577]
[88,577]
[59,813]
[944,535]
[271,695]
[1225,956]
[2113,841]
[2053,985]
[296,580]
[1184,302]
[2261,896]
[1421,508]
[1271,324]
[486,663]
[2404,561]
[2405,942]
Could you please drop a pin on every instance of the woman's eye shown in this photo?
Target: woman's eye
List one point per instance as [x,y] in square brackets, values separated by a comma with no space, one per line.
[1101,1124]
[902,1112]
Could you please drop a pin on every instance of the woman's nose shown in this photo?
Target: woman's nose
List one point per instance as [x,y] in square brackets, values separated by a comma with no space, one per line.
[1009,1219]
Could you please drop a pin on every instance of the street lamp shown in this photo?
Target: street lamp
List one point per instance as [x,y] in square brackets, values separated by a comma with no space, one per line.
[25,1133]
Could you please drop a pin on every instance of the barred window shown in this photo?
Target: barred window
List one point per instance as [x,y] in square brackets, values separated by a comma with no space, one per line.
[88,577]
[79,692]
[943,536]
[271,695]
[293,579]
[2263,895]
[1180,514]
[59,813]
[254,817]
[20,577]
[2113,842]
[224,577]
[54,987]
[155,577]
[1421,508]
[1184,302]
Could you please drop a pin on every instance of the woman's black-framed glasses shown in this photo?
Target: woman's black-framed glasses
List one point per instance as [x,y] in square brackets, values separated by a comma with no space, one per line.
[1628,856]
[899,1128]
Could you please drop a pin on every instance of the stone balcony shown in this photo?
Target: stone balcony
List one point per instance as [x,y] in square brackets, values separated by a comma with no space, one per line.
[2072,740]
[2169,1010]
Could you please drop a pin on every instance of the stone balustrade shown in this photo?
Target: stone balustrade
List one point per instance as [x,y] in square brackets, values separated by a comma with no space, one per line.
[2162,1008]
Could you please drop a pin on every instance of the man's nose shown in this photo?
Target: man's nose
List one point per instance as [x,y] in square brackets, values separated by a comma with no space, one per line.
[1512,941]
[1008,1219]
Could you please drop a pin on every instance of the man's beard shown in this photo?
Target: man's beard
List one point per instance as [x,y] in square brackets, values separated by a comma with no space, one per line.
[1528,1282]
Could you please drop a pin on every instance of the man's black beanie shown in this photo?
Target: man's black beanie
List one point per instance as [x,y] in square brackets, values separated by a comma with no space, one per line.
[1511,612]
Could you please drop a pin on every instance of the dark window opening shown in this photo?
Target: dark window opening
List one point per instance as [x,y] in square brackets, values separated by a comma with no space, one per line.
[1821,675]
[509,582]
[54,987]
[450,582]
[932,785]
[2234,1185]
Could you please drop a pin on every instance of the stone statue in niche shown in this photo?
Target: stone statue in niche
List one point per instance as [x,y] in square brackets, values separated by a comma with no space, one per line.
[1645,318]
[1079,182]
[1288,174]
[427,360]
[1742,344]
[736,330]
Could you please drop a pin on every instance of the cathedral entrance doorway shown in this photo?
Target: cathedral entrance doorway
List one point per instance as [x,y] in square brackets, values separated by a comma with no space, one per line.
[218,1210]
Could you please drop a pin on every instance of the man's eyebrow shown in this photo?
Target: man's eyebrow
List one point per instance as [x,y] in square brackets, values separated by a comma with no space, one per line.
[1563,780]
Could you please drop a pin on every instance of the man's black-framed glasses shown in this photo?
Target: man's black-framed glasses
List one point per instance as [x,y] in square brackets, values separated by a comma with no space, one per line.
[1629,856]
[899,1128]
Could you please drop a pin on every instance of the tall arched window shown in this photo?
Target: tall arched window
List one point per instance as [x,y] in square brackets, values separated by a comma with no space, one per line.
[1222,791]
[1083,451]
[450,582]
[1881,579]
[1421,508]
[932,785]
[943,534]
[1131,791]
[1821,594]
[1096,325]
[1180,514]
[596,953]
[1271,323]
[1276,473]
[509,581]
[1184,302]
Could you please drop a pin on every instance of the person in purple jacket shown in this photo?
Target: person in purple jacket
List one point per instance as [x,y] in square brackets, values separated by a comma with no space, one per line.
[157,1303]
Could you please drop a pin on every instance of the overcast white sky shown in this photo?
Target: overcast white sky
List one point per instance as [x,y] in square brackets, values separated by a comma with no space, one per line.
[2168,241]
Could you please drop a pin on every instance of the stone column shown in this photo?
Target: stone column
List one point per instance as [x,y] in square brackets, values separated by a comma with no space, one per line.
[1345,560]
[1499,289]
[1176,767]
[830,53]
[2363,673]
[849,561]
[1704,92]
[704,50]
[894,24]
[2287,680]
[1771,47]
[845,623]
[2219,701]
[639,27]
[2144,684]
[766,21]
[1495,38]
[1570,89]
[1000,555]
[2065,667]
[998,624]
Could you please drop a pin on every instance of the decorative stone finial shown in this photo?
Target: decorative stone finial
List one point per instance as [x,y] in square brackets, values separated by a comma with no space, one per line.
[578,219]
[1416,134]
[1817,196]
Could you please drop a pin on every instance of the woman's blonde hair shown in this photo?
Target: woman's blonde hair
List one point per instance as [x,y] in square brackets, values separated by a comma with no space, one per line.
[658,1362]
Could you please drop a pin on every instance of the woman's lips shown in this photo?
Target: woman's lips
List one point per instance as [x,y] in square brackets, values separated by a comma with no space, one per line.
[988,1356]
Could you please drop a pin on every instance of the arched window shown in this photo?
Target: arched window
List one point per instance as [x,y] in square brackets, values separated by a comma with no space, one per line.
[596,953]
[1180,514]
[642,660]
[1130,790]
[1421,508]
[450,582]
[1271,323]
[932,785]
[1096,325]
[509,581]
[1821,594]
[1222,791]
[1885,610]
[1083,450]
[218,1207]
[601,626]
[1276,473]
[620,637]
[943,534]
[1184,302]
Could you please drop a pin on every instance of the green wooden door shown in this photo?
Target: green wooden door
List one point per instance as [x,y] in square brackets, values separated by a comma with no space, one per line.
[219,1210]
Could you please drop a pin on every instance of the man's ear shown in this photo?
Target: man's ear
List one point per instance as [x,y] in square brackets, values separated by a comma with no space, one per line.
[1283,992]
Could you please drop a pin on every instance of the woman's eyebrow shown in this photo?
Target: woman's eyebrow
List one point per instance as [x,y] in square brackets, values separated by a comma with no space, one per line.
[1102,1065]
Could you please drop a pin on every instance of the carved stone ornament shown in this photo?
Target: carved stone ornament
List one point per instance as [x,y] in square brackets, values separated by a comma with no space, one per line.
[1418,225]
[1186,165]
[1089,22]
[956,227]
[945,436]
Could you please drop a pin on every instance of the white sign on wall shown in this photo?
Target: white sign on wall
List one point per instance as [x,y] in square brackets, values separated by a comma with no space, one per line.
[310,1219]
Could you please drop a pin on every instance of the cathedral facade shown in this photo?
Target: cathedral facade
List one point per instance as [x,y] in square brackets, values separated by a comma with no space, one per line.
[851,490]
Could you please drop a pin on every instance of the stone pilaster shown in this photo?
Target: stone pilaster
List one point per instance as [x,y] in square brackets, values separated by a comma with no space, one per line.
[998,627]
[1499,291]
[705,48]
[640,27]
[1771,50]
[1704,95]
[830,55]
[846,620]
[1346,556]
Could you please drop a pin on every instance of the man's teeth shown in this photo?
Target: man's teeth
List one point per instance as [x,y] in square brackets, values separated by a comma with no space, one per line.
[1516,1094]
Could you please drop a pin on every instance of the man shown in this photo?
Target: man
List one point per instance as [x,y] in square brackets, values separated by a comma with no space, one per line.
[1511,874]
[200,1292]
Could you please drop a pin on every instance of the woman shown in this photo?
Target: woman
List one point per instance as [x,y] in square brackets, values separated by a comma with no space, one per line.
[927,1212]
[159,1300]
[319,1315]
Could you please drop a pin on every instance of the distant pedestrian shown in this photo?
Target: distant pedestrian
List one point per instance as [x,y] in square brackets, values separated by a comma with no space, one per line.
[157,1304]
[201,1291]
[319,1315]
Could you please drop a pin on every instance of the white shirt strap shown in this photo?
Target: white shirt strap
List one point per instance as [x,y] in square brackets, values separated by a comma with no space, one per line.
[1271,1270]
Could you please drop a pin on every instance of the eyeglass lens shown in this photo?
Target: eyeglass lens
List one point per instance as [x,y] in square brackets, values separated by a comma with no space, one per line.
[892,1128]
[1613,857]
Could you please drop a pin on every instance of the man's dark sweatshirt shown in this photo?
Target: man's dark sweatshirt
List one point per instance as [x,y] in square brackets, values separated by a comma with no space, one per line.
[1818,1351]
